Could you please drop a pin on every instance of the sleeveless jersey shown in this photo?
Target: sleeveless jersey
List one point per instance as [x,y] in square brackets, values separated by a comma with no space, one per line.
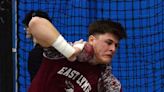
[62,75]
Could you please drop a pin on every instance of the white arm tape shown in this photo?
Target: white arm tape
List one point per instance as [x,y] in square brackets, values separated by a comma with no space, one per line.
[63,47]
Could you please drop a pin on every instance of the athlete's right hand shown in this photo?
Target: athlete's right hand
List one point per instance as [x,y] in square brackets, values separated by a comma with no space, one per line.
[78,46]
[84,52]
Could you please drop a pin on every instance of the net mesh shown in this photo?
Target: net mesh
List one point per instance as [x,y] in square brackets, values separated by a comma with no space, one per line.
[139,60]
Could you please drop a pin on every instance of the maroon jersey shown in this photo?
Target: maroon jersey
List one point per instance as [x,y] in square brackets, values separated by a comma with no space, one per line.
[61,75]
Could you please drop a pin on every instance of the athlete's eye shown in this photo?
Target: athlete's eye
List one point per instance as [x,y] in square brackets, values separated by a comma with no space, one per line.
[109,42]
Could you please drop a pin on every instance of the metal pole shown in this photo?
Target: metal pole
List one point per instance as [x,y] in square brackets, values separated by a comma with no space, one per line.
[14,44]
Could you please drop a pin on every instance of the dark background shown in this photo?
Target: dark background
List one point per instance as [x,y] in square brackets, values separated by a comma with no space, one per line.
[6,64]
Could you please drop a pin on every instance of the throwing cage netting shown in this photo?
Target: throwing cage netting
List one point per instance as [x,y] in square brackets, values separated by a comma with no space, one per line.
[139,63]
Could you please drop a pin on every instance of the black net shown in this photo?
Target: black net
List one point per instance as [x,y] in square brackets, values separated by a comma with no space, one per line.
[139,60]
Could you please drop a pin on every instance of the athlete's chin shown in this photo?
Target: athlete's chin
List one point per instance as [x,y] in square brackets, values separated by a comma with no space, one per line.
[105,60]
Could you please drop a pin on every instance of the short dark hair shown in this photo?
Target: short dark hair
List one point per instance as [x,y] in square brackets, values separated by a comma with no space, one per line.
[33,13]
[107,26]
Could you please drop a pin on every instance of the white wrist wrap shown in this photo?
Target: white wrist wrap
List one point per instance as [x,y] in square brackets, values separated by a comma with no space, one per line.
[63,47]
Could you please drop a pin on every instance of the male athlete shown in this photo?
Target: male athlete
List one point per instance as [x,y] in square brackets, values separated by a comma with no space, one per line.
[81,67]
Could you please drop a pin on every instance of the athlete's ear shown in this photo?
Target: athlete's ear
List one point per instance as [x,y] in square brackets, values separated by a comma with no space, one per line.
[92,39]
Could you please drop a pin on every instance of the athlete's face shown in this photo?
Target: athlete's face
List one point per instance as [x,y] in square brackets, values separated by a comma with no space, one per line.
[105,46]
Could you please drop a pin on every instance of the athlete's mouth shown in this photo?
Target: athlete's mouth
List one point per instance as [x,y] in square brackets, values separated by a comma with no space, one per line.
[109,56]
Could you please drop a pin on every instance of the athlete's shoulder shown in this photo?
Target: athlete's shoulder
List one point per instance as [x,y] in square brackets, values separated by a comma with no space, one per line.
[115,84]
[108,82]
